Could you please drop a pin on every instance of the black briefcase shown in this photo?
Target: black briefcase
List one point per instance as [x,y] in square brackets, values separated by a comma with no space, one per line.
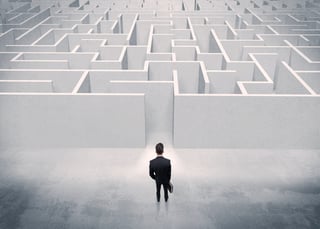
[170,187]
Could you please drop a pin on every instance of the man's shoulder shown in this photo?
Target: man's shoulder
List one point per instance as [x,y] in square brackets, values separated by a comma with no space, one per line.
[159,159]
[166,160]
[154,160]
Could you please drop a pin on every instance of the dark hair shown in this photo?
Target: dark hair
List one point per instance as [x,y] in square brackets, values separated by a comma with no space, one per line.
[159,148]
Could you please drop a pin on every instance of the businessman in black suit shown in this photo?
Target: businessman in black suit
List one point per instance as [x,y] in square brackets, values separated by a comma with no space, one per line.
[160,171]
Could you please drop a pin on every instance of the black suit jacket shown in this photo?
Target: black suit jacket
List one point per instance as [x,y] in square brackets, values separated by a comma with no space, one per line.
[160,170]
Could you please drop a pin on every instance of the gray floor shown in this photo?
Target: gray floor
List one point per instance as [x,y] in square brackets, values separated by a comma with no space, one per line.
[110,188]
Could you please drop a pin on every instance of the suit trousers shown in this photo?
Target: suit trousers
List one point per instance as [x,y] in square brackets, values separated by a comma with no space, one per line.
[165,189]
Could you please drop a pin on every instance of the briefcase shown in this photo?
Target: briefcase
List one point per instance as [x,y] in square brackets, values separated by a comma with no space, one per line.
[170,187]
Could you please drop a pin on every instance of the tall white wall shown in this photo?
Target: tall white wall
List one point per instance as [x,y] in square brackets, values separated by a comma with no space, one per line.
[66,120]
[247,121]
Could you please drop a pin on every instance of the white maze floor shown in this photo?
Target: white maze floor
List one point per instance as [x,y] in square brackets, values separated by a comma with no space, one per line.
[203,74]
[110,188]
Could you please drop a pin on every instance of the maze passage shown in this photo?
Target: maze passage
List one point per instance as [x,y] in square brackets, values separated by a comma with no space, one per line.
[194,73]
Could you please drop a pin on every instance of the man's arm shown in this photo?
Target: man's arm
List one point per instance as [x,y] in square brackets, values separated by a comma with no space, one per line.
[151,172]
[169,171]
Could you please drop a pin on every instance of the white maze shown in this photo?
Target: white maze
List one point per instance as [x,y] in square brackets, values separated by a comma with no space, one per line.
[125,73]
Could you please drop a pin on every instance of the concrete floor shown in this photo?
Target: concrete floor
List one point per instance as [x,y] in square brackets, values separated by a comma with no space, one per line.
[110,188]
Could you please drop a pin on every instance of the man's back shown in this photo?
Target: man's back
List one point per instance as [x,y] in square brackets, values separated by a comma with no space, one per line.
[160,169]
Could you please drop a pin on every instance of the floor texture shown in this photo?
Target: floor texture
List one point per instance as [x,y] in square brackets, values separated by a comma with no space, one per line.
[110,188]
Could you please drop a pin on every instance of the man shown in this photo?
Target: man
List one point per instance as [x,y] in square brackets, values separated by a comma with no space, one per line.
[160,171]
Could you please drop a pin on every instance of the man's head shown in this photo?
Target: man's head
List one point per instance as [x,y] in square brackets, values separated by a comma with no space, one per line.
[159,148]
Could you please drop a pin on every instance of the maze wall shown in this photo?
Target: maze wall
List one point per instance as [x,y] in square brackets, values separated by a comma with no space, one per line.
[125,73]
